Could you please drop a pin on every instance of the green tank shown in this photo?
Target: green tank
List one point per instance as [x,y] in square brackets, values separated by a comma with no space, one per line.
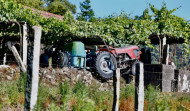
[75,48]
[78,54]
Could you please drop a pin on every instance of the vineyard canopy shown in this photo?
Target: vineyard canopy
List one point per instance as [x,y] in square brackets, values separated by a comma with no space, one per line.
[120,29]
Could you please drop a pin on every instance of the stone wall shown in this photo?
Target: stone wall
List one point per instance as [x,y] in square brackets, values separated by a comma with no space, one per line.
[167,78]
[54,76]
[163,76]
[8,73]
[183,81]
[159,75]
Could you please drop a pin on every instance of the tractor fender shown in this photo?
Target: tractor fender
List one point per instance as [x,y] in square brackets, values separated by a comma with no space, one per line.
[113,52]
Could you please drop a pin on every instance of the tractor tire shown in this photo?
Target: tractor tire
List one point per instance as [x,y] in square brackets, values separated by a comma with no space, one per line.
[63,59]
[105,65]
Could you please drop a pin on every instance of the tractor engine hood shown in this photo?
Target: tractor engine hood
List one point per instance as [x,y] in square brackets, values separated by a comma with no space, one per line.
[132,51]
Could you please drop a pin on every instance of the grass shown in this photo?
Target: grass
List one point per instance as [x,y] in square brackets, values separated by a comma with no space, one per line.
[79,97]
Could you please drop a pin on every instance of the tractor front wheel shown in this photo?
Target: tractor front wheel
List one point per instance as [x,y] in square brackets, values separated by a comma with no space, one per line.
[105,63]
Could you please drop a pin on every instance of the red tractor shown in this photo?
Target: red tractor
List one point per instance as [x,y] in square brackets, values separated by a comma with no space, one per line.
[106,60]
[102,62]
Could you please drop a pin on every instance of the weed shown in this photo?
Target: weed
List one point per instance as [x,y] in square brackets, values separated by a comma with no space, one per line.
[128,91]
[82,98]
[151,95]
[127,104]
[65,92]
[54,107]
[21,82]
[44,92]
[64,89]
[102,99]
[80,90]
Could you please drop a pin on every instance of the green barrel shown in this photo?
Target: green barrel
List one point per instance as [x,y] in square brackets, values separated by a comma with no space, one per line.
[76,49]
[78,54]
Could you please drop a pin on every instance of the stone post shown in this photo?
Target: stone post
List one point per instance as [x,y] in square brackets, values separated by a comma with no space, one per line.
[16,55]
[116,83]
[139,87]
[4,59]
[24,56]
[33,70]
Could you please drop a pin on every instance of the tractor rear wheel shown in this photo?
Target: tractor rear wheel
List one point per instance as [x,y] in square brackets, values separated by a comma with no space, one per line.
[63,59]
[104,65]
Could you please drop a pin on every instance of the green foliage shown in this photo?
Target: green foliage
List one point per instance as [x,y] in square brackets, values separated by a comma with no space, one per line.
[64,89]
[144,16]
[89,98]
[152,94]
[21,82]
[80,90]
[9,94]
[86,12]
[37,4]
[59,7]
[102,99]
[82,101]
[179,57]
[84,105]
[115,29]
[54,107]
[129,90]
[46,94]
[13,94]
